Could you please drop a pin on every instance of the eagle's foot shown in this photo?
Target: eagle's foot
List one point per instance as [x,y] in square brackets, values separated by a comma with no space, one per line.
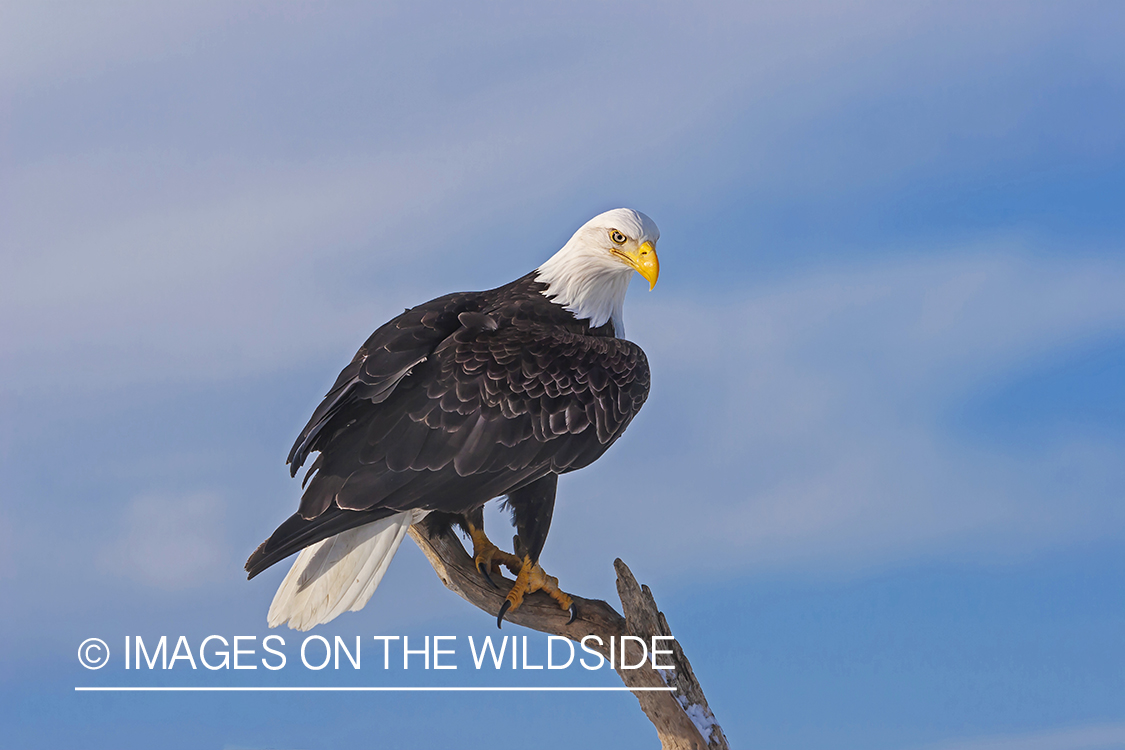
[533,578]
[488,557]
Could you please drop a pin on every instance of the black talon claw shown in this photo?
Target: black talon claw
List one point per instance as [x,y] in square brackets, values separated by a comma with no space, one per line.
[503,610]
[573,613]
[484,572]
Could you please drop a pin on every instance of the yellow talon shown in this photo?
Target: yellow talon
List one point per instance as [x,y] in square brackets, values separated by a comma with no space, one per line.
[533,578]
[488,557]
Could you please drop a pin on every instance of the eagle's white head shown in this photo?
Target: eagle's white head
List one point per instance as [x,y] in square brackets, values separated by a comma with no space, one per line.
[590,274]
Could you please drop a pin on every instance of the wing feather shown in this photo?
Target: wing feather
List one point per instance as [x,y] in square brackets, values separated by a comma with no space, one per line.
[456,402]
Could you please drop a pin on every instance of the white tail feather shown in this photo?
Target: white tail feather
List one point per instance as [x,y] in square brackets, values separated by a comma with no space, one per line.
[339,573]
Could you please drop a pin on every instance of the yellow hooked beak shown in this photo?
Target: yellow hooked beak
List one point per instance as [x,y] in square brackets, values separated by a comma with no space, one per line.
[644,261]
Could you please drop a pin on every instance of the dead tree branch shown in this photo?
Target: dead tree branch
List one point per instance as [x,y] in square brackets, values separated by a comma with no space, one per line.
[681,717]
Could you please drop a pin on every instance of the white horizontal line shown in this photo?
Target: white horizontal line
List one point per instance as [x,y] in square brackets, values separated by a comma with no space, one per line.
[153,689]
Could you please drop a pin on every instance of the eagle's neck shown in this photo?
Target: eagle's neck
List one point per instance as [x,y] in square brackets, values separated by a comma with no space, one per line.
[588,282]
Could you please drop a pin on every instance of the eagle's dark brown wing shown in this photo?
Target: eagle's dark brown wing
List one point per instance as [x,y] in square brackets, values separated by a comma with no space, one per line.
[455,402]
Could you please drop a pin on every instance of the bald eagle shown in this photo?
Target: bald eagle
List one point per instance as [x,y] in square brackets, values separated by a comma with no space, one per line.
[466,398]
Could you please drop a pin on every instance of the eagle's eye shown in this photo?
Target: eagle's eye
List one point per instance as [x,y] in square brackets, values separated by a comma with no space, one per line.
[617,237]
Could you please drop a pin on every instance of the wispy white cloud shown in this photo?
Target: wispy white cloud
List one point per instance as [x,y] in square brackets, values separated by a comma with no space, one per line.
[169,541]
[7,548]
[174,258]
[1092,737]
[41,45]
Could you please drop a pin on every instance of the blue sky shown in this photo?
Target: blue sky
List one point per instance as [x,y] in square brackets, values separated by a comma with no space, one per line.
[888,347]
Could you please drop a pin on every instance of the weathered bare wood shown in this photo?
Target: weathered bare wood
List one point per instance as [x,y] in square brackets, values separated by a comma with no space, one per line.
[682,718]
